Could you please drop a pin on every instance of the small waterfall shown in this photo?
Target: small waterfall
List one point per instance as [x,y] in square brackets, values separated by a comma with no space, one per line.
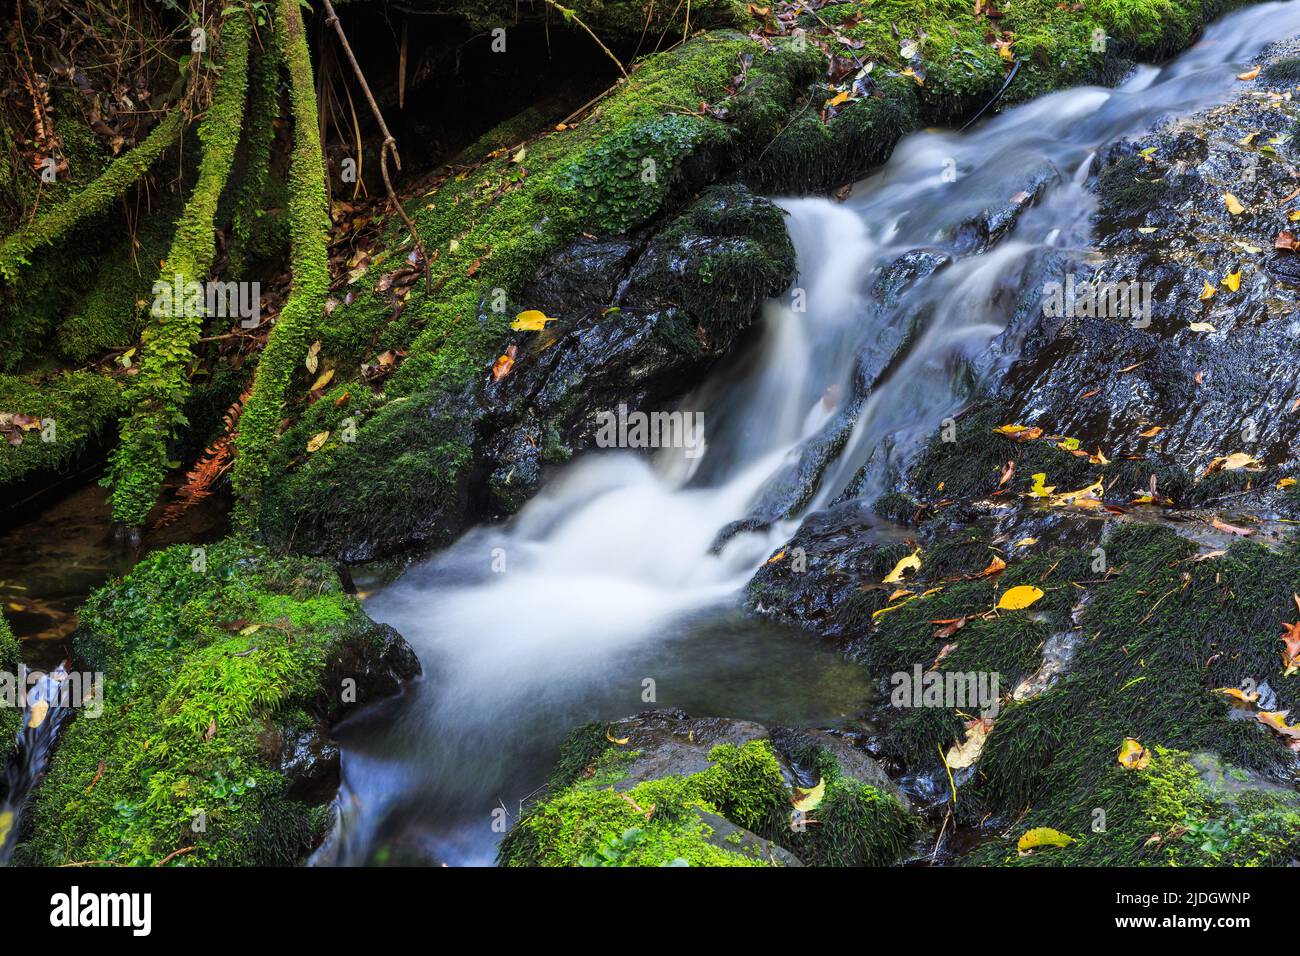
[616,569]
[48,705]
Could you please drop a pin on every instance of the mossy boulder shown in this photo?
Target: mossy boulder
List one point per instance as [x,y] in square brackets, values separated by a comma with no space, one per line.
[665,789]
[223,669]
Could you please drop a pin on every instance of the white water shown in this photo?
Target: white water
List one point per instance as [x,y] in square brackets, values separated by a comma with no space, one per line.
[610,568]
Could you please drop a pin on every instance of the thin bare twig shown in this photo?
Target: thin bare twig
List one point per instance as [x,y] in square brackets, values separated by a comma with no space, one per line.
[390,144]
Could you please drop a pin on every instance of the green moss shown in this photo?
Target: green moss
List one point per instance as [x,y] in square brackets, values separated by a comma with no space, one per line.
[1285,72]
[855,824]
[208,665]
[403,461]
[256,188]
[1169,814]
[76,407]
[287,344]
[139,462]
[743,784]
[1161,633]
[11,718]
[95,198]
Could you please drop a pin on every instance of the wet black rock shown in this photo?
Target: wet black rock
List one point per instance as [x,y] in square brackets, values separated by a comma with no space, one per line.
[640,322]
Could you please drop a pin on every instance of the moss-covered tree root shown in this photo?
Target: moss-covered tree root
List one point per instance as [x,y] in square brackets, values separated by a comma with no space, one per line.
[157,394]
[310,266]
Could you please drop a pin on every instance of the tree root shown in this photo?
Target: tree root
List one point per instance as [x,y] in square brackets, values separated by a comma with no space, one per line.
[120,175]
[309,259]
[156,395]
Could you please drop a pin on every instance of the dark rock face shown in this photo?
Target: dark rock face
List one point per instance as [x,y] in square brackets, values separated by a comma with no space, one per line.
[1164,221]
[639,323]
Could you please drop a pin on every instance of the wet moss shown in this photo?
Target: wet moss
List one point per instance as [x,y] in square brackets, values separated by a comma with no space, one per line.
[1131,184]
[1160,634]
[1171,813]
[854,825]
[212,659]
[1285,72]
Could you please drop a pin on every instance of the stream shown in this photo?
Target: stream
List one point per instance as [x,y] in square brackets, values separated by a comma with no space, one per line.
[607,595]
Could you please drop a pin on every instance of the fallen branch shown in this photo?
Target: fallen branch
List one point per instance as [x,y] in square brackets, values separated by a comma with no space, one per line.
[390,144]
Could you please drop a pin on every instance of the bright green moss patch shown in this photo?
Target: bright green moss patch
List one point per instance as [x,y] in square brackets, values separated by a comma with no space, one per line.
[139,462]
[77,408]
[211,660]
[743,784]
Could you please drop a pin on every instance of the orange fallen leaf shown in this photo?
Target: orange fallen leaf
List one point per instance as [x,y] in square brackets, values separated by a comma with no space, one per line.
[502,366]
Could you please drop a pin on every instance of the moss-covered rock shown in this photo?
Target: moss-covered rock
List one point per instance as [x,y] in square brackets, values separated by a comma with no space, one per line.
[223,669]
[1179,809]
[77,409]
[663,789]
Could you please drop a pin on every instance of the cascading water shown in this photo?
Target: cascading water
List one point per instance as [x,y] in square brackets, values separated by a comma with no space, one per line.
[47,707]
[613,575]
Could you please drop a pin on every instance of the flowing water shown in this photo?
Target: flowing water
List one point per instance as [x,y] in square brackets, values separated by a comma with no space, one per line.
[609,579]
[49,699]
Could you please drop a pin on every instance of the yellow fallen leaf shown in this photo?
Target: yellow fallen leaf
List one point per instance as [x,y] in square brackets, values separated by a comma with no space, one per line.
[1285,483]
[37,712]
[251,629]
[1236,693]
[1019,597]
[531,321]
[1249,74]
[1025,542]
[806,800]
[1208,291]
[1040,488]
[316,442]
[1019,432]
[1040,837]
[1133,756]
[1081,497]
[837,99]
[6,824]
[776,557]
[322,381]
[1234,205]
[910,563]
[609,735]
[966,753]
[1233,280]
[900,593]
[1201,327]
